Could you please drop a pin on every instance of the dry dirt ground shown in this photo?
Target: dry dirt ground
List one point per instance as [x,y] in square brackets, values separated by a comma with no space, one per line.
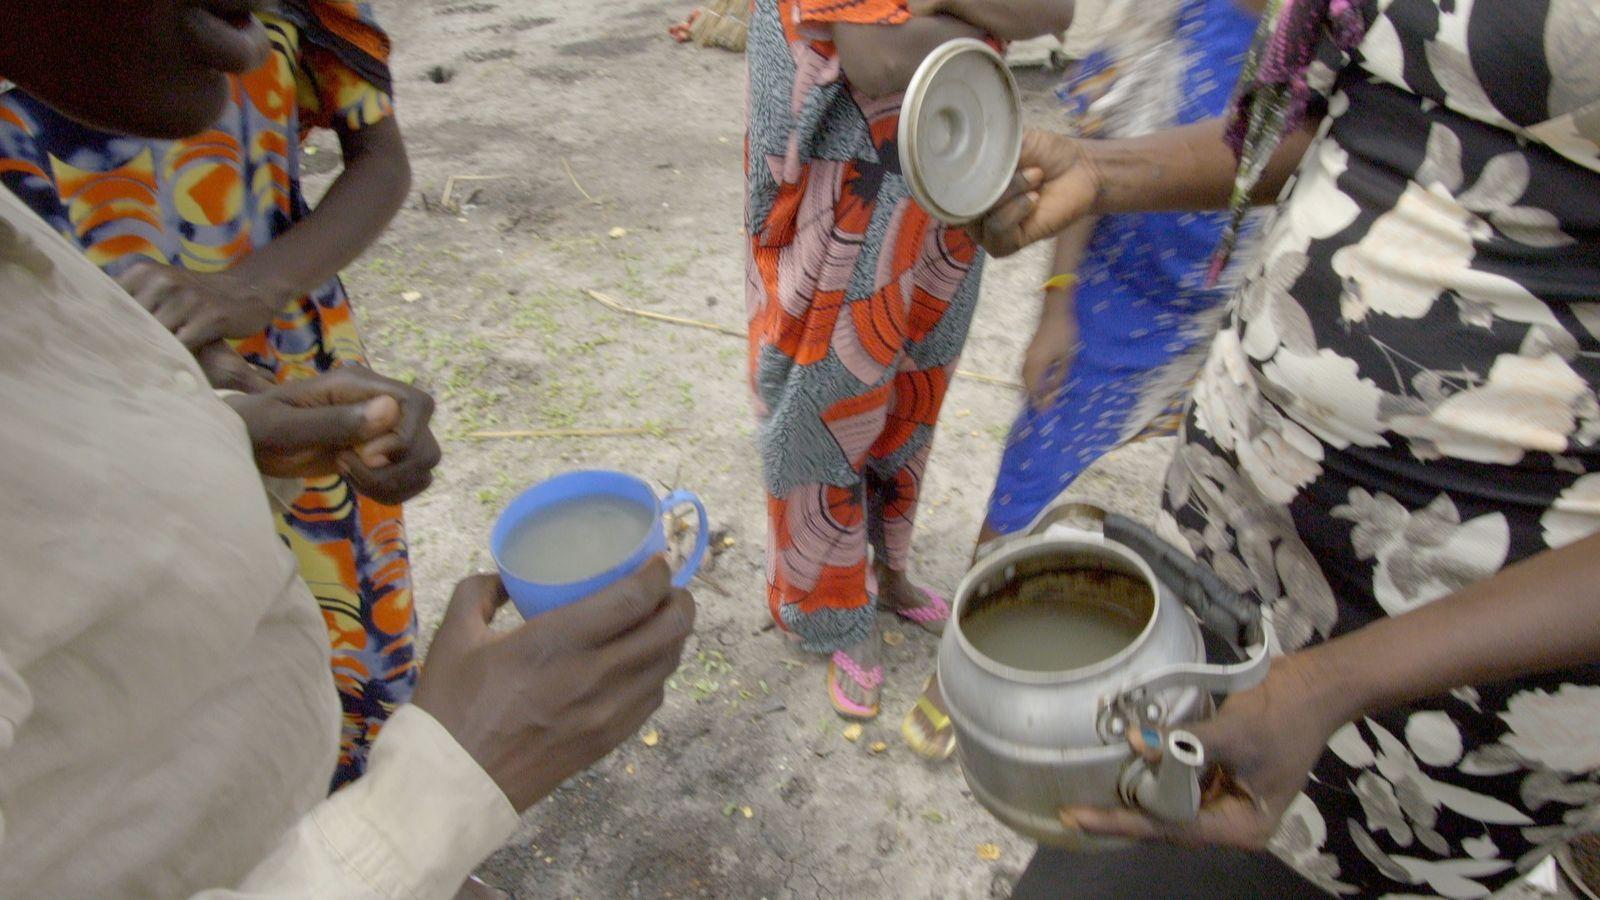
[559,123]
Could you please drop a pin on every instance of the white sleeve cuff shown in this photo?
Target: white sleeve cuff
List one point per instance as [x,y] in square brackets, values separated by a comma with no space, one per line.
[422,817]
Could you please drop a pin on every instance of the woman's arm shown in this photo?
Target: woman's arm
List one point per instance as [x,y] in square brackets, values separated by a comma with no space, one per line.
[1061,179]
[1185,168]
[879,60]
[1538,616]
[1055,340]
[1009,20]
[201,308]
[359,205]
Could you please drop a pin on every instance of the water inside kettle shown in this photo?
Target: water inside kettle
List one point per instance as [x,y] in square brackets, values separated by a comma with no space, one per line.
[1061,620]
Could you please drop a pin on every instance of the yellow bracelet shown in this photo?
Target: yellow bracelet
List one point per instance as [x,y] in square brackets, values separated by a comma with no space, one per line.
[1060,282]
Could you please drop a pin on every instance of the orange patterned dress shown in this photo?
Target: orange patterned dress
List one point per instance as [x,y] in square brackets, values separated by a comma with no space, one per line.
[859,305]
[204,203]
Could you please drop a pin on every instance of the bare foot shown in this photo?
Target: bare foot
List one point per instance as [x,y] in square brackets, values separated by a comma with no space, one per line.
[898,595]
[856,697]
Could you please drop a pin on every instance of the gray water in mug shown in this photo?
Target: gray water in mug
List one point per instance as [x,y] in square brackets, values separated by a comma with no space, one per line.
[577,540]
[1080,620]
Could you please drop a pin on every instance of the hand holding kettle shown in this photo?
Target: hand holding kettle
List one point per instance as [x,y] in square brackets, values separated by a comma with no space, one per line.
[1537,616]
[1260,748]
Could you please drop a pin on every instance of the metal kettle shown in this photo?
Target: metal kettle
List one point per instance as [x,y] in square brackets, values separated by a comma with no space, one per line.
[1031,742]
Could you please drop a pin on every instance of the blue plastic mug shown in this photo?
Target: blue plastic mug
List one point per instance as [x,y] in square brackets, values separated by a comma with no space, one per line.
[532,598]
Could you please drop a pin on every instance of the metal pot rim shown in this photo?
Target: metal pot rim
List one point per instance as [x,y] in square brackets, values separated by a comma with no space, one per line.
[1025,547]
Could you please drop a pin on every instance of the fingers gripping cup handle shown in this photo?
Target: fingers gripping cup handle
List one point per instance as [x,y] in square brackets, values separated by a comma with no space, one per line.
[702,538]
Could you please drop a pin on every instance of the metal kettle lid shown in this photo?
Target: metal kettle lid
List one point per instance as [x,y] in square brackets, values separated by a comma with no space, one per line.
[960,132]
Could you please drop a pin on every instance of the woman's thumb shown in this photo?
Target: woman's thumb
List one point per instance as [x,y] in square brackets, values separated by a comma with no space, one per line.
[344,426]
[472,608]
[380,415]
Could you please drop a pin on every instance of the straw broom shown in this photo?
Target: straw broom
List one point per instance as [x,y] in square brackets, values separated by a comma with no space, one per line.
[721,23]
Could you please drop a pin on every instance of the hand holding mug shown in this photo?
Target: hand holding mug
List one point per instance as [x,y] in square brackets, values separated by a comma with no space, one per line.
[539,704]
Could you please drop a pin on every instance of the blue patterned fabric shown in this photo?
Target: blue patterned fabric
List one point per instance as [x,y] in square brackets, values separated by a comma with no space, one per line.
[1143,313]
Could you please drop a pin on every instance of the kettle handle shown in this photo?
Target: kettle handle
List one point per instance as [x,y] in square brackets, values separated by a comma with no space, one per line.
[1220,608]
[1213,679]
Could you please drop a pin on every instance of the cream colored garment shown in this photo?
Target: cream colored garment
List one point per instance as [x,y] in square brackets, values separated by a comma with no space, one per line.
[168,722]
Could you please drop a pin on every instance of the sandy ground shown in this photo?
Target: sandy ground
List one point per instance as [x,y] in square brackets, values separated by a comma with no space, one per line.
[561,122]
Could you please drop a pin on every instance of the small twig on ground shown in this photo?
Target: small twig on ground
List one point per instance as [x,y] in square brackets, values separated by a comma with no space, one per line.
[989,379]
[572,175]
[712,583]
[450,187]
[617,306]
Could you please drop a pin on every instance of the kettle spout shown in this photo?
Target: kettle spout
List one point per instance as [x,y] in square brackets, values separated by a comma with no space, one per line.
[1172,791]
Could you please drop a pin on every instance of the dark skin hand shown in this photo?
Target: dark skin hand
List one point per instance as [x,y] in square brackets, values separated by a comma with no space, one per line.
[203,307]
[1061,180]
[1049,355]
[351,421]
[226,370]
[539,704]
[1262,745]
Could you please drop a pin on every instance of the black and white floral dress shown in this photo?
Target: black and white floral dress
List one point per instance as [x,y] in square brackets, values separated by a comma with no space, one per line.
[1403,402]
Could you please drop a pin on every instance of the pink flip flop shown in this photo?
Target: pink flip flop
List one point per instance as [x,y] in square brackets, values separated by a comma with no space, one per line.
[936,612]
[867,679]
